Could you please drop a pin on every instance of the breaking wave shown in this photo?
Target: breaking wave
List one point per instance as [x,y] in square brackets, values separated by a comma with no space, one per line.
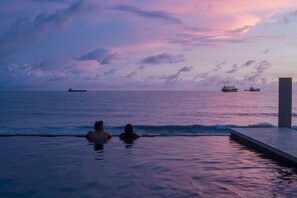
[145,130]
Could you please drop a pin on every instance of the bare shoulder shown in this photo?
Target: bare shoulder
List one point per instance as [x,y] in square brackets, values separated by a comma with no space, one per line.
[108,135]
[89,135]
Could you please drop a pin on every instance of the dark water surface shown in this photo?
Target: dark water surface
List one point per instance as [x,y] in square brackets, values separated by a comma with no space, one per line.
[166,113]
[211,166]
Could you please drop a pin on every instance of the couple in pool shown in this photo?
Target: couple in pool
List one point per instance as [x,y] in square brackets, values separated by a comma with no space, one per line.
[99,136]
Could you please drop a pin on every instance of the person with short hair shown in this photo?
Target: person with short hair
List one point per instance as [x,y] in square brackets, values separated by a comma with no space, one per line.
[99,136]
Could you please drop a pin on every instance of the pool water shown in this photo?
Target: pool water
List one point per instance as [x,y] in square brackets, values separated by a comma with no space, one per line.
[178,166]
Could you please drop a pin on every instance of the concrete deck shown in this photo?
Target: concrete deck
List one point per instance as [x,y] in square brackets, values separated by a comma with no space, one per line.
[281,142]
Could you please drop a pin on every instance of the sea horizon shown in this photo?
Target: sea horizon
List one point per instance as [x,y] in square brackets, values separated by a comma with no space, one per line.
[151,112]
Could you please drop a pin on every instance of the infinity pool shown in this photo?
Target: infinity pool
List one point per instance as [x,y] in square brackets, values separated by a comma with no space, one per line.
[206,166]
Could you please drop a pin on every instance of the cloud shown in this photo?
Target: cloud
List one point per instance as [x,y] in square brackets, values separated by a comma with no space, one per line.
[110,72]
[219,66]
[236,67]
[164,16]
[54,74]
[233,69]
[211,38]
[217,80]
[257,73]
[170,77]
[133,74]
[133,77]
[52,1]
[163,58]
[24,72]
[243,29]
[201,76]
[175,76]
[262,66]
[141,67]
[51,64]
[101,55]
[26,29]
[185,69]
[248,63]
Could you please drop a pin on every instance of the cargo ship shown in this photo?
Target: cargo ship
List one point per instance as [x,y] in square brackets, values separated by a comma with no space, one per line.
[252,89]
[76,90]
[229,89]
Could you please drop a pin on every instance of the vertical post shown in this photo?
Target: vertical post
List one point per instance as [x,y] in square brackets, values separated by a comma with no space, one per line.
[285,102]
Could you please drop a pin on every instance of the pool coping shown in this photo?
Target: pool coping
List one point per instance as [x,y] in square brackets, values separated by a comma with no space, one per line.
[278,143]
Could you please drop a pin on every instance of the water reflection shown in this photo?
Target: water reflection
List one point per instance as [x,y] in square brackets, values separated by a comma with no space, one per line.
[129,146]
[98,147]
[156,167]
[286,175]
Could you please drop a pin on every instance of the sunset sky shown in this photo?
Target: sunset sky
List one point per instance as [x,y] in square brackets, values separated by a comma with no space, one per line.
[146,44]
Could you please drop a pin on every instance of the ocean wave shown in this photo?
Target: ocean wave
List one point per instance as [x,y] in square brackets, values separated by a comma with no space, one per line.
[145,130]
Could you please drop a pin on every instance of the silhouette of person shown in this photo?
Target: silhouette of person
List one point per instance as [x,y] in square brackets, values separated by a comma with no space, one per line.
[99,136]
[129,136]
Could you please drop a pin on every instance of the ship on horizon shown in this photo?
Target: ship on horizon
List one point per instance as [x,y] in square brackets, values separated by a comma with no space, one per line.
[252,89]
[229,89]
[76,90]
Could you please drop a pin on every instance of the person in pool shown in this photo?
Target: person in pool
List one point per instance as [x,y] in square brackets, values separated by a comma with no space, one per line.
[99,136]
[129,136]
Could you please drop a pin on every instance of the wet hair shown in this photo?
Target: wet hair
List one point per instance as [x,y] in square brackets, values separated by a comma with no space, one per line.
[128,129]
[98,125]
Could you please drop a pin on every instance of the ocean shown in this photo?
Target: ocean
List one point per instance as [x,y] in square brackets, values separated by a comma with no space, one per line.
[150,112]
[170,164]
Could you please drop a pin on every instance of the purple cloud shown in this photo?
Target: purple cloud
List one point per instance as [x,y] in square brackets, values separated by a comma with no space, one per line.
[233,69]
[163,58]
[219,66]
[259,69]
[248,63]
[262,66]
[133,74]
[175,76]
[53,1]
[164,16]
[185,69]
[25,72]
[241,30]
[141,67]
[208,40]
[25,29]
[110,72]
[201,76]
[101,55]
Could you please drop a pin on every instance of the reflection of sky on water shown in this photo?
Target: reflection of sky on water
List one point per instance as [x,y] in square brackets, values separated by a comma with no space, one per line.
[154,167]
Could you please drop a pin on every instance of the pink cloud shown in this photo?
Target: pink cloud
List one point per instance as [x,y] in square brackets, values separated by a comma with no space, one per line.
[225,14]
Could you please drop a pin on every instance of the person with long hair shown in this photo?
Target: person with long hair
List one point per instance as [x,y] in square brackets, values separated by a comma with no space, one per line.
[129,136]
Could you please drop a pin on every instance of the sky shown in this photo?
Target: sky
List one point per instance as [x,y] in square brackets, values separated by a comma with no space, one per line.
[146,44]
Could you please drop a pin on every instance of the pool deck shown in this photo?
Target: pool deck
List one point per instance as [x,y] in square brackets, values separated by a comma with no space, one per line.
[280,142]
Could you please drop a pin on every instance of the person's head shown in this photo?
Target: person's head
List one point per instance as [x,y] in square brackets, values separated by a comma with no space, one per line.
[98,125]
[128,129]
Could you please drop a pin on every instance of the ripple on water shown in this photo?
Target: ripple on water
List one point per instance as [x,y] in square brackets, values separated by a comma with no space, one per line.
[212,166]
